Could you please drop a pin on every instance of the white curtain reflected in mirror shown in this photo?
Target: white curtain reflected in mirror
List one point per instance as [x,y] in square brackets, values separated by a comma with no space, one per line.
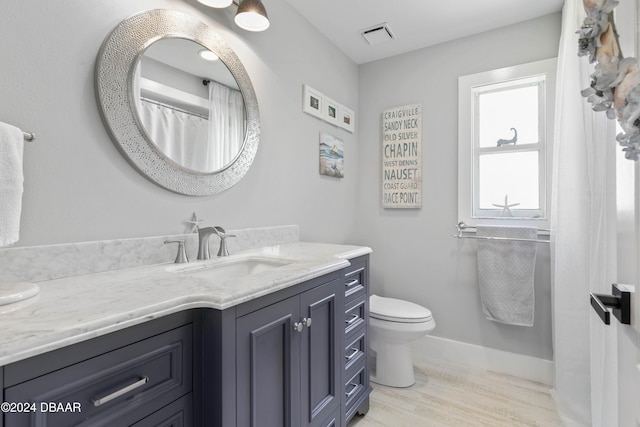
[167,127]
[191,110]
[226,124]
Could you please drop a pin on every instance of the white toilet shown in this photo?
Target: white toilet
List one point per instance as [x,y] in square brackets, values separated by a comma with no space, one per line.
[393,324]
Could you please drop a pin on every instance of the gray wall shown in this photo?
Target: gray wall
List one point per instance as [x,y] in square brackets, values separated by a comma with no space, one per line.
[414,256]
[79,188]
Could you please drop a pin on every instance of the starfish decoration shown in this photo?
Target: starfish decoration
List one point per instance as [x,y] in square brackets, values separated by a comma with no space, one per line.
[506,208]
[195,223]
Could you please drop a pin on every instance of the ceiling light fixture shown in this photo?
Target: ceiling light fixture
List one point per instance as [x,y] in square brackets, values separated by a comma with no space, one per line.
[251,14]
[219,4]
[207,55]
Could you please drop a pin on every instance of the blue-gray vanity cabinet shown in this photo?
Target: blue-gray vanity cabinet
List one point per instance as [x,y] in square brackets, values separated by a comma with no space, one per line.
[120,379]
[356,388]
[288,360]
[2,388]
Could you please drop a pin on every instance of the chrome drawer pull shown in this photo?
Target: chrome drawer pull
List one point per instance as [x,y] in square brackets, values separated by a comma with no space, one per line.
[350,283]
[352,391]
[97,401]
[354,317]
[353,353]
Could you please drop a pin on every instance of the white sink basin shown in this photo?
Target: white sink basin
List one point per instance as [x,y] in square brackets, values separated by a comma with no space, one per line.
[17,291]
[228,268]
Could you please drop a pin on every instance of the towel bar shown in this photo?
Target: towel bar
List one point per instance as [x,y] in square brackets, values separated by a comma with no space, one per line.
[462,227]
[29,136]
[511,239]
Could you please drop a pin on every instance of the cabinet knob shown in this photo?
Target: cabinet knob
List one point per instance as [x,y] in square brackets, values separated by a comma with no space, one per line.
[307,322]
[297,326]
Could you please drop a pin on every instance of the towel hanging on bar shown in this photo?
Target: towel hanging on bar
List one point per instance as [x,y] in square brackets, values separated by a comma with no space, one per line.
[506,274]
[11,183]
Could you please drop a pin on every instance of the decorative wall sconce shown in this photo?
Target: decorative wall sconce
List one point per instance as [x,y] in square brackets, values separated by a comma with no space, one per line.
[251,14]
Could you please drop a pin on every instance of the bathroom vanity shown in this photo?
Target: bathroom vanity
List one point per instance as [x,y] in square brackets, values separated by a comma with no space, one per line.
[165,345]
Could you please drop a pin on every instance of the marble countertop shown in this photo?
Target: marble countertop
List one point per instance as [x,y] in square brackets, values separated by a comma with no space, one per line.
[75,309]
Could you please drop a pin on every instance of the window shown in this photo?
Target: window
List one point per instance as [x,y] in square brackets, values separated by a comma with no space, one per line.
[504,144]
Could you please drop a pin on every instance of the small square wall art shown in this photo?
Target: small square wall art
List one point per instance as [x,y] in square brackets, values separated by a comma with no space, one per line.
[331,156]
[331,111]
[313,102]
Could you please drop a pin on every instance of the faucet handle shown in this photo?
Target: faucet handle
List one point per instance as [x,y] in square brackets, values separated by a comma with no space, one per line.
[223,251]
[221,232]
[182,254]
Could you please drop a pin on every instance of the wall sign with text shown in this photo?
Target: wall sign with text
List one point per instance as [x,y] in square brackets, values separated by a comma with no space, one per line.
[401,157]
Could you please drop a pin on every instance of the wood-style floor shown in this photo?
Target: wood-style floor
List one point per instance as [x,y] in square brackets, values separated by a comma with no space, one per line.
[447,395]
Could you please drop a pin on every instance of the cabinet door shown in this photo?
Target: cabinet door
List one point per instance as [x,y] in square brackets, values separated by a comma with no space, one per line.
[268,366]
[320,352]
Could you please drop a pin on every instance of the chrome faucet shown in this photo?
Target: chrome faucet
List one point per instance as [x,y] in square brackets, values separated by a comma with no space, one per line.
[203,241]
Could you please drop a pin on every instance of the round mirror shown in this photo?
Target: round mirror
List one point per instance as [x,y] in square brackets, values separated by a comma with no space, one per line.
[189,124]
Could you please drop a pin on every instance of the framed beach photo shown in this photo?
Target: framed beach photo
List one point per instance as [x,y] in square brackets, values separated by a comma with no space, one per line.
[331,155]
[313,102]
[346,119]
[331,111]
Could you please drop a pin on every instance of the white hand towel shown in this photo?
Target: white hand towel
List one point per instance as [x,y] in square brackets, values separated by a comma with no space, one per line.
[505,274]
[11,183]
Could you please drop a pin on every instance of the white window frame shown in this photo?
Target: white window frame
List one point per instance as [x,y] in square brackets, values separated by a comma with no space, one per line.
[469,150]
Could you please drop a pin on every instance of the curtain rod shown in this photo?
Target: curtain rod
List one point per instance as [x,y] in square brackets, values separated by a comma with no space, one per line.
[207,81]
[172,107]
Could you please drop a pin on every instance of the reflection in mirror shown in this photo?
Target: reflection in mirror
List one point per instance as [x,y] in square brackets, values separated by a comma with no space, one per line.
[190,107]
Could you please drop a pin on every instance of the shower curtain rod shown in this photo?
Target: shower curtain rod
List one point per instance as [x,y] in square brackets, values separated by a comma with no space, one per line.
[207,81]
[462,227]
[172,107]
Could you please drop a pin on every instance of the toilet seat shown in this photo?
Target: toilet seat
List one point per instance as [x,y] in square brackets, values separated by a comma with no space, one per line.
[395,310]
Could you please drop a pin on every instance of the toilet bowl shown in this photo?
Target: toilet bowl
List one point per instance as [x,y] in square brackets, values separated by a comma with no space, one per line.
[393,324]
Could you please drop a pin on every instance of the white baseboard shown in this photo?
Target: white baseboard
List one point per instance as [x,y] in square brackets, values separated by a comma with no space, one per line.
[518,365]
[568,417]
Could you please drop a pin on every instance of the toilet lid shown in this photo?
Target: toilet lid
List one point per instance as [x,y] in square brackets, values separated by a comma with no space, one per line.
[395,310]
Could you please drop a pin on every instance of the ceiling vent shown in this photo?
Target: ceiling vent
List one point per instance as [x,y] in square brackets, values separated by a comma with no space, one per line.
[377,34]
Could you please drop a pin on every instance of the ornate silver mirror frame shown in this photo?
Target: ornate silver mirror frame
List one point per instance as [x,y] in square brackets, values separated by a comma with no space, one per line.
[115,66]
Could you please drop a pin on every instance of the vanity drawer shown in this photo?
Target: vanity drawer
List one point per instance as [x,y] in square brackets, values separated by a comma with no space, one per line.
[137,379]
[354,389]
[355,315]
[355,351]
[355,281]
[177,414]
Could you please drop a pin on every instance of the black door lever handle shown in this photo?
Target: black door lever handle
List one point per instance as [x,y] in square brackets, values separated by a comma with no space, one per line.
[619,302]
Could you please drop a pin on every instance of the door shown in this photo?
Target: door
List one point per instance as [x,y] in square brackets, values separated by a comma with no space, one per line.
[624,340]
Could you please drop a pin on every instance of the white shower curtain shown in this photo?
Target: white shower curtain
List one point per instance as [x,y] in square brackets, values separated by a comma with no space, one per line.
[180,136]
[226,123]
[583,238]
